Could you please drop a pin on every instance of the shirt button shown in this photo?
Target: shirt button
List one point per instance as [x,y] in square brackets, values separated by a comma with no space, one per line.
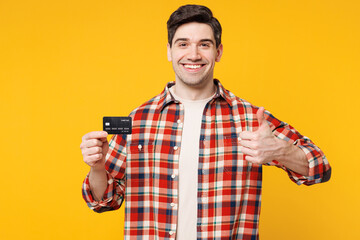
[139,146]
[176,148]
[172,204]
[171,233]
[173,176]
[178,121]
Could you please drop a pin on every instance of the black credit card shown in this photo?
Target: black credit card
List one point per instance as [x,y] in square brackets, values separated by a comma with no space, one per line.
[117,125]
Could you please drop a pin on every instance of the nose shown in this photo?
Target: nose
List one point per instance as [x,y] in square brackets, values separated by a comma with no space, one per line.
[194,54]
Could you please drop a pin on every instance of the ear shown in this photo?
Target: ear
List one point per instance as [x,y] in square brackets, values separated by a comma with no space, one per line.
[169,53]
[219,52]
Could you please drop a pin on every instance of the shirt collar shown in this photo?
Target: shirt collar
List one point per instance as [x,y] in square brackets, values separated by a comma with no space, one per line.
[166,97]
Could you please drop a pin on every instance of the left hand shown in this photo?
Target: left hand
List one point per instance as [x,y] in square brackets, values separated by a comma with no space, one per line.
[260,146]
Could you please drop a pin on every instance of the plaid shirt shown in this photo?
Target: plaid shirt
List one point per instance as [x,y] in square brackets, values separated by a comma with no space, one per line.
[143,169]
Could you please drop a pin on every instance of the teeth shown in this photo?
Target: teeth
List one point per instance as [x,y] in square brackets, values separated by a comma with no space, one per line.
[192,66]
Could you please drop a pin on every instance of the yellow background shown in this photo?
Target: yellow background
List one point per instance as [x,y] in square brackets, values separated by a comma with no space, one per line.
[65,64]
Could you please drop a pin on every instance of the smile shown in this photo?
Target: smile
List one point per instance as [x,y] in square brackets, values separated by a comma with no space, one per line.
[193,67]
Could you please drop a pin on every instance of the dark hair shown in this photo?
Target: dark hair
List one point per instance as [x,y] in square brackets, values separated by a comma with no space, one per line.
[193,13]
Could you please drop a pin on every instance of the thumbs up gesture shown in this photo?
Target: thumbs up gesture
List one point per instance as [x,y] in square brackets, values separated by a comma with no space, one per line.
[260,146]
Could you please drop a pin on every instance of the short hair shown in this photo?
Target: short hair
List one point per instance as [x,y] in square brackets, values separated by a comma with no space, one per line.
[193,13]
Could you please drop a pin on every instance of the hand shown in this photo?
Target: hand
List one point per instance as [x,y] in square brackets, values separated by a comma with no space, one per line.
[260,146]
[94,147]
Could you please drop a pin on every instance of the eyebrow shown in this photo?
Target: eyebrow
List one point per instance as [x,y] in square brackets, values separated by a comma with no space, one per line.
[202,40]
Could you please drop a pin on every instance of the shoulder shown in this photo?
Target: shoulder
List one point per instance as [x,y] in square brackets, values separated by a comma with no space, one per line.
[247,112]
[240,104]
[144,121]
[149,106]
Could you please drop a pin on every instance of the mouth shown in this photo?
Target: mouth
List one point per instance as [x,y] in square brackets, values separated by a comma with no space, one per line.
[192,67]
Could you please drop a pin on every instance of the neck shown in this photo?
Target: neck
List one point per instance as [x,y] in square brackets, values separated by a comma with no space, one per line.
[194,92]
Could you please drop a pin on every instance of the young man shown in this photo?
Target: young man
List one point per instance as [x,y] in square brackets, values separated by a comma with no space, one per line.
[192,167]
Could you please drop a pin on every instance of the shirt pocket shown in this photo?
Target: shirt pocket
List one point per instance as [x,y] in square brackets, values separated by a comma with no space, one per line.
[234,160]
[139,162]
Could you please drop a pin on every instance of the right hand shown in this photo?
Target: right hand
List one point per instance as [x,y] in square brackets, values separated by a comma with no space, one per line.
[94,147]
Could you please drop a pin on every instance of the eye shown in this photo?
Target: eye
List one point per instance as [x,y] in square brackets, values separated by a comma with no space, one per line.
[205,45]
[182,44]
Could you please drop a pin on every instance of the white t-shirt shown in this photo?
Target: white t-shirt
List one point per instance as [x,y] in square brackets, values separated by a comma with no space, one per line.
[188,167]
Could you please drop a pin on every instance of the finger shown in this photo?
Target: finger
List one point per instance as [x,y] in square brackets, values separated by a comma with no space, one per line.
[93,143]
[260,116]
[93,158]
[93,150]
[249,144]
[95,134]
[246,135]
[251,159]
[248,151]
[250,155]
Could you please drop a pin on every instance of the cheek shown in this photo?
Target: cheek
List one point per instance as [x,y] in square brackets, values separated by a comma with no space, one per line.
[211,57]
[177,58]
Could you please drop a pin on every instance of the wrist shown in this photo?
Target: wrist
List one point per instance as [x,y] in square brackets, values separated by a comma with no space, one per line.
[285,150]
[98,169]
[293,158]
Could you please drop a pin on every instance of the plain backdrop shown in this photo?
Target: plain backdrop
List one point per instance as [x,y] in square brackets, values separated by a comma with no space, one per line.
[66,64]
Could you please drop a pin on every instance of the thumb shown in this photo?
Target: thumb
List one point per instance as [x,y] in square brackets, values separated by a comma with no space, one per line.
[260,116]
[105,149]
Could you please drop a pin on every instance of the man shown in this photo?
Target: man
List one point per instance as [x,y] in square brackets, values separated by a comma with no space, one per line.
[192,167]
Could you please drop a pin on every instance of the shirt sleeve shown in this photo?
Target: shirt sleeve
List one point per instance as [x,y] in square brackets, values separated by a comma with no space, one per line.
[115,169]
[319,167]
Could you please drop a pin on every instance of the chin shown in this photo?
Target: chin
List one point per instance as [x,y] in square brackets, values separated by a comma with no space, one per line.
[193,82]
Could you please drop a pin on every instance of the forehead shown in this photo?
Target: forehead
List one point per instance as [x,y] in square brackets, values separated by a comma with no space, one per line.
[194,31]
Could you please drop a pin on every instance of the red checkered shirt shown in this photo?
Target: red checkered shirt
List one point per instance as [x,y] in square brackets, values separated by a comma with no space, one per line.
[143,169]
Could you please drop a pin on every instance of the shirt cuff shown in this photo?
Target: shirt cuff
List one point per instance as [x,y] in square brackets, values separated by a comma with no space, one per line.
[318,164]
[107,197]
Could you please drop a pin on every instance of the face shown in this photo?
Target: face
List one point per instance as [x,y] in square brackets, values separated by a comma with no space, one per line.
[193,54]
